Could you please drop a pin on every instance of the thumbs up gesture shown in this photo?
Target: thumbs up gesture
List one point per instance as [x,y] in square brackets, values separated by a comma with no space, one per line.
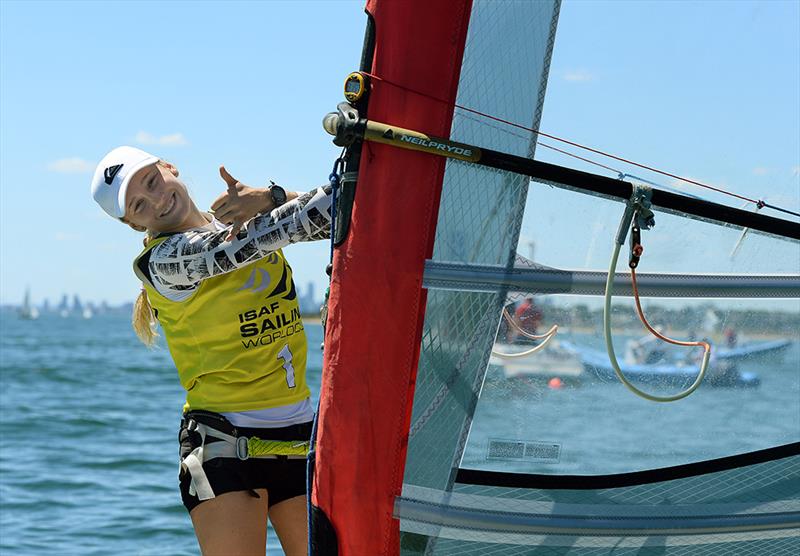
[239,203]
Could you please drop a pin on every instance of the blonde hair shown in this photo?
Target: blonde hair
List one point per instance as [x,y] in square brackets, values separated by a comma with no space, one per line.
[143,319]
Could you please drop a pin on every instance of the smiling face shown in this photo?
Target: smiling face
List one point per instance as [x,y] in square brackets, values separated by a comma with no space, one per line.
[158,201]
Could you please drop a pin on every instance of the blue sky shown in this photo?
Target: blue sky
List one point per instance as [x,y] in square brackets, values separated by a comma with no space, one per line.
[709,90]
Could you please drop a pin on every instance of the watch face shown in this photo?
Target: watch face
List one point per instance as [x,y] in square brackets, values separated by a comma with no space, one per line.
[278,195]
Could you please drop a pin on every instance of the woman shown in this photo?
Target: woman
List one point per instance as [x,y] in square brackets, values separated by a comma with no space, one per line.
[223,294]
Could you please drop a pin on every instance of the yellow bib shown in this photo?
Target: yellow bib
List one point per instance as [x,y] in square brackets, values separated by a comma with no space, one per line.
[238,342]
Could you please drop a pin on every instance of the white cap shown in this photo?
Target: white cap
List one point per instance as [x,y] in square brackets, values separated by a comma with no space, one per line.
[111,178]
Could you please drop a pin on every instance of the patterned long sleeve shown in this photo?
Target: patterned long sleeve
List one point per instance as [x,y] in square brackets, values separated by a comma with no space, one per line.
[182,261]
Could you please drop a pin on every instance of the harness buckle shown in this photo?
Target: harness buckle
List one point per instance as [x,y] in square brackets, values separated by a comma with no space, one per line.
[241,448]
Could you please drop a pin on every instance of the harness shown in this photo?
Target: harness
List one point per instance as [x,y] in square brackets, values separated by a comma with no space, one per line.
[215,443]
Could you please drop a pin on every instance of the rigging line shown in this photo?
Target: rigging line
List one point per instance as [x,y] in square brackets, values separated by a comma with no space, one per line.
[654,331]
[612,357]
[609,168]
[578,145]
[619,173]
[760,204]
[763,203]
[638,215]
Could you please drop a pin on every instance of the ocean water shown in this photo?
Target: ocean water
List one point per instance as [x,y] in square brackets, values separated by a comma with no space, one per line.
[599,427]
[89,416]
[88,440]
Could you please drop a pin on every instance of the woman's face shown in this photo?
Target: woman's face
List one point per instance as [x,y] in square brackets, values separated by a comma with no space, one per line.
[157,201]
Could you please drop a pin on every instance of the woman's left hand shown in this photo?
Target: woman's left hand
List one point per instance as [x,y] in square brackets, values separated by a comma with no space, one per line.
[239,203]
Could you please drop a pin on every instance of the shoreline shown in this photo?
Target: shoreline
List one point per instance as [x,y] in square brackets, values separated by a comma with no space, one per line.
[678,333]
[311,319]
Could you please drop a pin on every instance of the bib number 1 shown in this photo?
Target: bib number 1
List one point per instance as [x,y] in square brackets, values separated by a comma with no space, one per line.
[286,356]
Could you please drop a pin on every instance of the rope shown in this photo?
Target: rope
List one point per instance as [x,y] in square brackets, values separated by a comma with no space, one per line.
[705,345]
[531,351]
[311,453]
[609,168]
[627,217]
[547,336]
[759,203]
[335,179]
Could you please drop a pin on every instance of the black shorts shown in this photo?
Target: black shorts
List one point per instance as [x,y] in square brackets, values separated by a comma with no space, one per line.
[283,478]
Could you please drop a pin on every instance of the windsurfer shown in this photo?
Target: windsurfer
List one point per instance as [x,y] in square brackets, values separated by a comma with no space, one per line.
[731,338]
[247,418]
[528,317]
[648,350]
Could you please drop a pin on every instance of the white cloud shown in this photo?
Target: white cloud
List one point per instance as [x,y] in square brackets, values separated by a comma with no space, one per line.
[71,166]
[172,140]
[578,76]
[795,170]
[760,171]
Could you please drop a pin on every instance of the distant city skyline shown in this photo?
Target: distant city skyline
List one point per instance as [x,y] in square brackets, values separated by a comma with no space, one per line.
[718,102]
[74,303]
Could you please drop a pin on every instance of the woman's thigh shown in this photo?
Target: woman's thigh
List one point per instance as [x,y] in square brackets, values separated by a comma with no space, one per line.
[232,523]
[290,520]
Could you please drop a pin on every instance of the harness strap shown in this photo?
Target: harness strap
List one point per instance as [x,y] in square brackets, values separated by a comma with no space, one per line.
[228,446]
[193,463]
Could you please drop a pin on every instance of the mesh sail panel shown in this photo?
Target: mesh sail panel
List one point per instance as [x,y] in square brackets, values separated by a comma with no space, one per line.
[504,73]
[786,546]
[752,509]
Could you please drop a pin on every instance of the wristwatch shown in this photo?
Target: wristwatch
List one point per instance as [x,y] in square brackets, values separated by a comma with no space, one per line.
[277,193]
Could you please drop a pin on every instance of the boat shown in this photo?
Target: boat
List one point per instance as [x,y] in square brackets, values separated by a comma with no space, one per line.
[521,353]
[439,130]
[721,372]
[568,360]
[559,360]
[771,350]
[649,350]
[26,310]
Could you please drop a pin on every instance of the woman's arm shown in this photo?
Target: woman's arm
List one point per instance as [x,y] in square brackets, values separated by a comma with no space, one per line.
[241,202]
[182,261]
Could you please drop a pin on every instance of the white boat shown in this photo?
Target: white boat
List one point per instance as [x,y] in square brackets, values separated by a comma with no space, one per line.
[557,360]
[26,310]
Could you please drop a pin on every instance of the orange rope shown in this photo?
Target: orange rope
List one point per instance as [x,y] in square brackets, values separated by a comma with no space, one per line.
[705,345]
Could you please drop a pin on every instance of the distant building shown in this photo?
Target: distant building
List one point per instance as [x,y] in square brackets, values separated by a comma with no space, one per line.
[63,307]
[308,302]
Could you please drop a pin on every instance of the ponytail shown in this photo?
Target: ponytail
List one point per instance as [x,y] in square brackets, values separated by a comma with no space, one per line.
[144,320]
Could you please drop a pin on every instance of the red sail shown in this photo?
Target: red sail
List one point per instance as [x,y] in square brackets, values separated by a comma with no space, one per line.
[377,304]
